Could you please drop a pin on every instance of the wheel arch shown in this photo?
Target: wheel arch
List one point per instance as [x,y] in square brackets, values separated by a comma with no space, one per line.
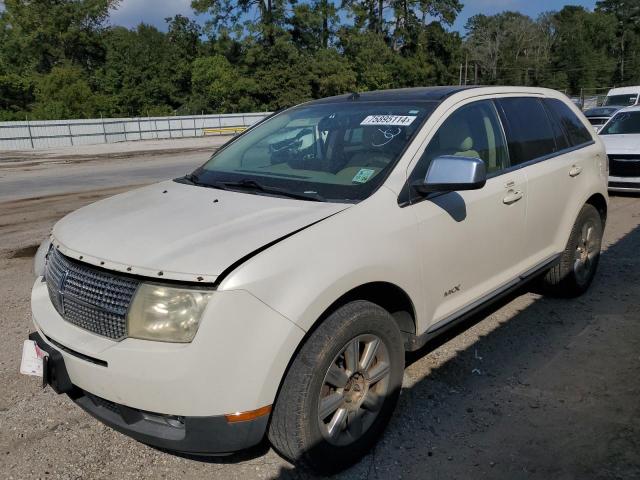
[384,294]
[598,201]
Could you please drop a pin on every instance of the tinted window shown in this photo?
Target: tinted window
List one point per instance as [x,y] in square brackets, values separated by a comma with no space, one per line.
[577,133]
[471,131]
[623,100]
[623,123]
[529,131]
[559,134]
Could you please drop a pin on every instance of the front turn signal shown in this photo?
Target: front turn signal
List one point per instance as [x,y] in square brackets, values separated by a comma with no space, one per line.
[246,416]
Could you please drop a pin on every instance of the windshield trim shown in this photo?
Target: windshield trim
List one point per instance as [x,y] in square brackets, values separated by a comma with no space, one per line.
[385,174]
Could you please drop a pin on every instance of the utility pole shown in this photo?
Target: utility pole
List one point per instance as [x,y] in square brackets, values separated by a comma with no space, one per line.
[475,74]
[622,59]
[466,67]
[460,77]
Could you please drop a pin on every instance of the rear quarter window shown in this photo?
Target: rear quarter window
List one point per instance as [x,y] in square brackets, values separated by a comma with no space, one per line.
[577,133]
[530,134]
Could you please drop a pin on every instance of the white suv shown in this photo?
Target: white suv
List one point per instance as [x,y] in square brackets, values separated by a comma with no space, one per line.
[274,291]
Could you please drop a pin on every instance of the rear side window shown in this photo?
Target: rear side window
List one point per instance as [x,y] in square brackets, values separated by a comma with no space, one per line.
[529,131]
[577,133]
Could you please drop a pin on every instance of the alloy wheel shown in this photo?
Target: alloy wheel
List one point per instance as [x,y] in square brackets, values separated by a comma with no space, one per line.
[354,389]
[586,252]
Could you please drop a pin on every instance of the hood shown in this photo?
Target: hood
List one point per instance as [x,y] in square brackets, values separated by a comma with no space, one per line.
[621,144]
[181,232]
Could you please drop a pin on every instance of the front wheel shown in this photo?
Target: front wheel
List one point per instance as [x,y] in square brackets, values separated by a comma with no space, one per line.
[578,263]
[341,389]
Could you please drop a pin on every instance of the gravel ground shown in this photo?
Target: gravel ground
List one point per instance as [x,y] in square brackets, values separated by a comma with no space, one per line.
[538,388]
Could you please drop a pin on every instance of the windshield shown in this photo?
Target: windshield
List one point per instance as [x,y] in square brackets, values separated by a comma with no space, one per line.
[333,152]
[624,100]
[623,123]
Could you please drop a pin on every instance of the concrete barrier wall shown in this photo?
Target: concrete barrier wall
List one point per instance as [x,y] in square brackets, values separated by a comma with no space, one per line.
[40,134]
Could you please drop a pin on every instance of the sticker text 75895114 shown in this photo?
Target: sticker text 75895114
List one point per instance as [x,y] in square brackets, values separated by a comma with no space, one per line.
[389,120]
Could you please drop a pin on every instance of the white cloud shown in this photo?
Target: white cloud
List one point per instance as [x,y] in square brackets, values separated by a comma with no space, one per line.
[132,12]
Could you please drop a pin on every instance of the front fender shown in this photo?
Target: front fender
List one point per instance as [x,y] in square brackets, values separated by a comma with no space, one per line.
[302,276]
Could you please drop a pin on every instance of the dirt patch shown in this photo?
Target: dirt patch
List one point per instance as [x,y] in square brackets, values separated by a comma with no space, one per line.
[25,252]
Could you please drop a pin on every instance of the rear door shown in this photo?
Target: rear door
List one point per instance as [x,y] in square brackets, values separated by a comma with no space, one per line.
[543,146]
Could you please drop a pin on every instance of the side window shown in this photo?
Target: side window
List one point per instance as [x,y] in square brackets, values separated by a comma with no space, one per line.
[471,131]
[560,136]
[577,133]
[529,131]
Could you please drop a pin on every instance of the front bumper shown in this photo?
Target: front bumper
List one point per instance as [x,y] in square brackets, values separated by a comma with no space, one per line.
[624,184]
[195,435]
[234,364]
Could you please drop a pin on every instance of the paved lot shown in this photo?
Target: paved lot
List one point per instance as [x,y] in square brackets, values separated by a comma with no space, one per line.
[26,174]
[539,388]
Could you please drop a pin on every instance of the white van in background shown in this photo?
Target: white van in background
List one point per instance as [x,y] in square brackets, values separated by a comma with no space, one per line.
[623,96]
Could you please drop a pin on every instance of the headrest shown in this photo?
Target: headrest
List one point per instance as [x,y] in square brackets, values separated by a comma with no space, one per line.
[456,137]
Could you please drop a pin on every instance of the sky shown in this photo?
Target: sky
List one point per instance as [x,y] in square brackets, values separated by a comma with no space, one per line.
[132,12]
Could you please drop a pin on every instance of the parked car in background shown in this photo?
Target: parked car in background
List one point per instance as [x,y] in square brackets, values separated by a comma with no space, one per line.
[622,97]
[621,137]
[275,291]
[600,115]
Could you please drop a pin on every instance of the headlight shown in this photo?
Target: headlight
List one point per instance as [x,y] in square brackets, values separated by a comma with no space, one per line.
[166,314]
[41,258]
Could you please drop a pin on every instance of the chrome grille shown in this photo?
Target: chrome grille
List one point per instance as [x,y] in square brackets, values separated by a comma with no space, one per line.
[88,297]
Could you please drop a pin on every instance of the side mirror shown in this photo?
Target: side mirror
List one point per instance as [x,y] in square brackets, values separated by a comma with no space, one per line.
[449,173]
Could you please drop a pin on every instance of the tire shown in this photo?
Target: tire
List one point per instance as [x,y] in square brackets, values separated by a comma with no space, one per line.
[577,267]
[339,440]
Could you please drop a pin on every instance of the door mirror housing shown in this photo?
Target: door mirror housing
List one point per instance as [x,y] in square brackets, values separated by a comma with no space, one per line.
[450,173]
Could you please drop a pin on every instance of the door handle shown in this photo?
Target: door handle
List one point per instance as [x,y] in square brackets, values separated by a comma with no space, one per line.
[575,171]
[512,197]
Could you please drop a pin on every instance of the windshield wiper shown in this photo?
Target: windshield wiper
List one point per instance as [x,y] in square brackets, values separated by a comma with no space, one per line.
[247,184]
[193,179]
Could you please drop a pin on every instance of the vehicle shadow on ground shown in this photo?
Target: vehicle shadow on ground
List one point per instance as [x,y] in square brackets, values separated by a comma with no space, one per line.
[493,408]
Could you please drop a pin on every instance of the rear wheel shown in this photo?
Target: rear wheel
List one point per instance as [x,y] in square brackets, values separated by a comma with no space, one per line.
[579,261]
[340,390]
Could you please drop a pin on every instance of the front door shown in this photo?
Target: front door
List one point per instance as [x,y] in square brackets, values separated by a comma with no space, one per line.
[471,242]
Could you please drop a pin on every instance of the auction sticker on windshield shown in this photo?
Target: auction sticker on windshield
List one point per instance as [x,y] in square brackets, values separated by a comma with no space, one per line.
[391,120]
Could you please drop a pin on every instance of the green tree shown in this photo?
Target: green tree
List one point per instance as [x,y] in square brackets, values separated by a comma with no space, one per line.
[371,59]
[142,73]
[271,15]
[582,47]
[214,81]
[64,93]
[50,32]
[313,24]
[627,37]
[331,74]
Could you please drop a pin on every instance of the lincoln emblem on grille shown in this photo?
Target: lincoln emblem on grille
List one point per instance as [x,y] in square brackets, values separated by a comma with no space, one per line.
[60,289]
